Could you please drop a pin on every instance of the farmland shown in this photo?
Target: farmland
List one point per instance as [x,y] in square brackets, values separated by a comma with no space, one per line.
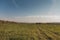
[29,31]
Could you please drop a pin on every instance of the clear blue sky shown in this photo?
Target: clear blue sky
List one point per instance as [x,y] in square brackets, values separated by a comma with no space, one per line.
[24,7]
[29,8]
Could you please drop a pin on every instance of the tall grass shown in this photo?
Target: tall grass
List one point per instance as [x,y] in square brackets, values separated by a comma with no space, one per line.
[29,31]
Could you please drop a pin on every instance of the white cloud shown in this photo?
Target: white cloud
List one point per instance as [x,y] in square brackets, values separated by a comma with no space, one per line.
[52,9]
[33,19]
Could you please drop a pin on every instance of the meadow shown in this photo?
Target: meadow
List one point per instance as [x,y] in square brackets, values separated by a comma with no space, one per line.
[29,31]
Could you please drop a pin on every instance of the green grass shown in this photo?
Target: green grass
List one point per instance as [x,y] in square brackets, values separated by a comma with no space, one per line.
[29,31]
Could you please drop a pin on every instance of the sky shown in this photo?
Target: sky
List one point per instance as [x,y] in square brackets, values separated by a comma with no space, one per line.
[30,10]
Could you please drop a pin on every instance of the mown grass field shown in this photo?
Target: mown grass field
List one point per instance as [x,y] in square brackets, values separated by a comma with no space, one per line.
[29,31]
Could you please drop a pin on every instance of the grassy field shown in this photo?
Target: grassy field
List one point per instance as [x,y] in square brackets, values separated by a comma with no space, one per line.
[29,31]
